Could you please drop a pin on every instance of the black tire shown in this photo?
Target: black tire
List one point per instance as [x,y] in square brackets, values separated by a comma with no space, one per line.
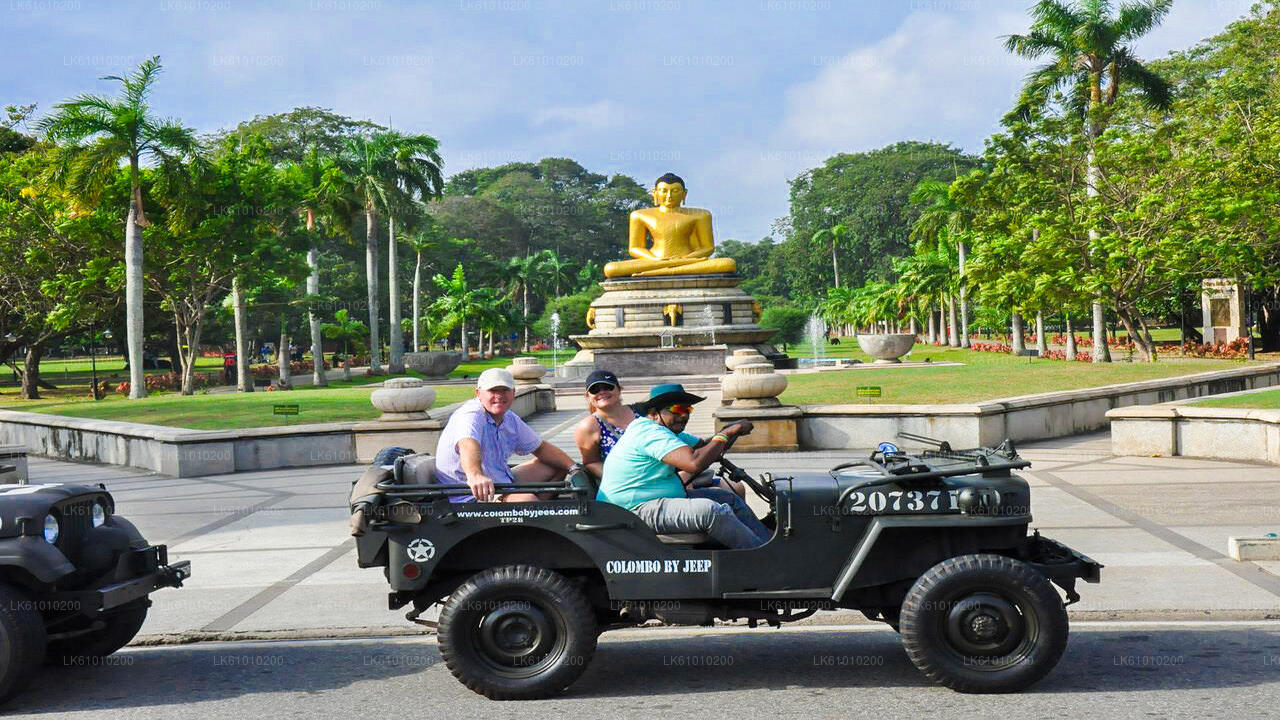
[22,641]
[118,629]
[517,632]
[984,624]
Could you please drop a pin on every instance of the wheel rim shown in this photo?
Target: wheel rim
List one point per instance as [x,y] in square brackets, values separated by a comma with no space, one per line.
[518,637]
[989,630]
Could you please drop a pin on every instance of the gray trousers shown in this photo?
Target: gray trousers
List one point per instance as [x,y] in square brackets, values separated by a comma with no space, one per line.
[697,515]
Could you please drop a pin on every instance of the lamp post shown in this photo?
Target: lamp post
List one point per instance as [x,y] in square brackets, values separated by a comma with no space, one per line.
[11,338]
[93,361]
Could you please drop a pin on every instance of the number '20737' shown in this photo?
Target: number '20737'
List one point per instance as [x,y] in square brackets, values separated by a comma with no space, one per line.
[878,501]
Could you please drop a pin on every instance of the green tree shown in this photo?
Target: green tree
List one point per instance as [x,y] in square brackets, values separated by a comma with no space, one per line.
[1089,57]
[97,133]
[62,272]
[869,195]
[386,171]
[789,322]
[458,303]
[346,330]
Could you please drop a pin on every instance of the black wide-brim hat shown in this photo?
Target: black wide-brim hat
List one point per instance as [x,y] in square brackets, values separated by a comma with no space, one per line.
[667,395]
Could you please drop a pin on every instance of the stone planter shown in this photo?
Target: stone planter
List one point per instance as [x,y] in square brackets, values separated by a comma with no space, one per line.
[435,364]
[887,348]
[743,356]
[403,399]
[753,385]
[526,370]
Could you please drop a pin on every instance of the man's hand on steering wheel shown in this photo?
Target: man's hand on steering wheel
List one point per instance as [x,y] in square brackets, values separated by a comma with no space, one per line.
[732,472]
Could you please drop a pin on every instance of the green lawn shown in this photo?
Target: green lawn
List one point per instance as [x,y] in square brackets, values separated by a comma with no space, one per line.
[472,368]
[1266,400]
[984,376]
[342,402]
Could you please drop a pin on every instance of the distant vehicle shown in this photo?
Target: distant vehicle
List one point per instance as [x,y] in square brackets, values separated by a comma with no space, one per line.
[934,544]
[74,578]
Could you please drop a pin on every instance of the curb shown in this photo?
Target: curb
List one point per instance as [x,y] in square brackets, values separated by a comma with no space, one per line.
[834,620]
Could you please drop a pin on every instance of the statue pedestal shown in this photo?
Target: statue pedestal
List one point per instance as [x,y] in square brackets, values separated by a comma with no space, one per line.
[673,325]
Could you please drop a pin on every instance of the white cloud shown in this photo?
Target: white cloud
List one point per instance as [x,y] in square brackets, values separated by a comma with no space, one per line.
[938,76]
[599,115]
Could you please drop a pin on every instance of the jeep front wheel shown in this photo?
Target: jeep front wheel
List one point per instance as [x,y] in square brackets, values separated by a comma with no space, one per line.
[984,624]
[517,632]
[22,640]
[117,629]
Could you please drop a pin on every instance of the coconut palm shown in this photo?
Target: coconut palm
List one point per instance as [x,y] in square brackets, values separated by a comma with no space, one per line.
[418,166]
[457,303]
[1086,43]
[347,330]
[941,224]
[523,274]
[98,132]
[837,233]
[556,271]
[325,195]
[386,170]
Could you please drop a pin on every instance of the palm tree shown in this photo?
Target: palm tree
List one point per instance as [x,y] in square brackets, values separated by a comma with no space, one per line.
[556,272]
[325,194]
[1086,43]
[99,132]
[941,224]
[345,329]
[837,233]
[386,169]
[457,302]
[418,166]
[426,240]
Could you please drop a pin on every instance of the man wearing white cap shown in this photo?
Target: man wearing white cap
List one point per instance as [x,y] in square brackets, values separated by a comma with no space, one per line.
[483,434]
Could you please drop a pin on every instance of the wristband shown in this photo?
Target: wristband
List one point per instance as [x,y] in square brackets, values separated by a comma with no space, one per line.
[721,437]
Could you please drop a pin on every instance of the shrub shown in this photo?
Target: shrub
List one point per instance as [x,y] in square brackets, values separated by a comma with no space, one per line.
[789,322]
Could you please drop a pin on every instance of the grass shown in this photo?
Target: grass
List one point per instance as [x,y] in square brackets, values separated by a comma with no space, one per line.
[984,376]
[472,368]
[1266,400]
[341,402]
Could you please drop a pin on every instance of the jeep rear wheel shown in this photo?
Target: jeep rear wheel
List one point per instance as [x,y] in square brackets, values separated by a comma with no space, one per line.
[517,632]
[22,641]
[984,624]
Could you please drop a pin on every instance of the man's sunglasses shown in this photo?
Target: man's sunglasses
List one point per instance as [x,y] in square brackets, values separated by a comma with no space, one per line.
[599,388]
[680,409]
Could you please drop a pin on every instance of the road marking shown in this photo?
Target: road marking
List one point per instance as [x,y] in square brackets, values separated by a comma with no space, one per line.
[234,616]
[1247,571]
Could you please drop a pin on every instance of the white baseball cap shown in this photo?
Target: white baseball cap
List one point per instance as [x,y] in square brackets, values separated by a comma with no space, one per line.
[495,377]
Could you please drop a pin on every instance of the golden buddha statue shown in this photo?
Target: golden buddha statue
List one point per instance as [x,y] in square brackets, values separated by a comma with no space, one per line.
[682,239]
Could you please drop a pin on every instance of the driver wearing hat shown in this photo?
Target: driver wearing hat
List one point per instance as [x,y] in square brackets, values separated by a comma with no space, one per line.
[640,472]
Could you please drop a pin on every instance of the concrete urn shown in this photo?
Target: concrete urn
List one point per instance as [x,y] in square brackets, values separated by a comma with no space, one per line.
[434,364]
[403,399]
[527,370]
[753,385]
[887,348]
[743,356]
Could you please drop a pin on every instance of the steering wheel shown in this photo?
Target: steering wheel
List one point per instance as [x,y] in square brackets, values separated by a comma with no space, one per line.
[733,472]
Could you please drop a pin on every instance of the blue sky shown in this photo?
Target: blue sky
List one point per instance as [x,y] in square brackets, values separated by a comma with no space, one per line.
[736,96]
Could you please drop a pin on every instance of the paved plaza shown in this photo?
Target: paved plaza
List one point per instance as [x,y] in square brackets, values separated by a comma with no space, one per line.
[272,556]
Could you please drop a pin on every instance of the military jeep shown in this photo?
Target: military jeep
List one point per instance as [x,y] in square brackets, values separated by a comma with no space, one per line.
[935,544]
[74,578]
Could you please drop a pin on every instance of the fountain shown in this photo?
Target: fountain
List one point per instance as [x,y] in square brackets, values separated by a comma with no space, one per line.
[555,341]
[816,330]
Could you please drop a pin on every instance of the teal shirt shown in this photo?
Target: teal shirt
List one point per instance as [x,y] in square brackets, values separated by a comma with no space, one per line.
[634,472]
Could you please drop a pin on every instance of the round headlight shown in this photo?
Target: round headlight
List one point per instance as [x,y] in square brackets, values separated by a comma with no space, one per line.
[99,514]
[51,529]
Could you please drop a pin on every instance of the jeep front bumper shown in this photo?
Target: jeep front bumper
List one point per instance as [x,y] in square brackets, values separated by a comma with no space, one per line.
[148,570]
